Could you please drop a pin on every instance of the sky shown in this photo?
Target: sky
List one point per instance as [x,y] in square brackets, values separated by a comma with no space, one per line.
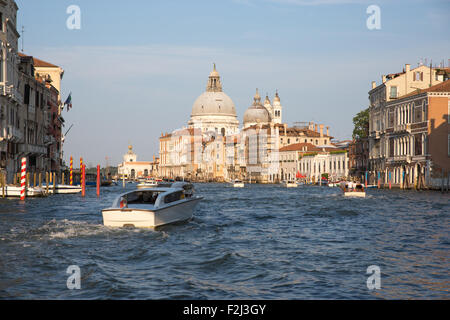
[135,67]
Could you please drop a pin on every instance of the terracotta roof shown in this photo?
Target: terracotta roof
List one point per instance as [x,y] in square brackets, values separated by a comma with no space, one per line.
[42,63]
[38,62]
[440,87]
[299,147]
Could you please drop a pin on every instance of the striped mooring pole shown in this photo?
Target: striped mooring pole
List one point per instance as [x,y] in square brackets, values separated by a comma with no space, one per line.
[71,171]
[98,180]
[23,178]
[81,171]
[83,185]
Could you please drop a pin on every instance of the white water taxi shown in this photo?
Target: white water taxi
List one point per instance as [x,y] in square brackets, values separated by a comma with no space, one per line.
[289,184]
[237,183]
[352,189]
[152,207]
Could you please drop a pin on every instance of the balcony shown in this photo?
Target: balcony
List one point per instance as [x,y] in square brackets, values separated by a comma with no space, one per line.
[14,94]
[11,92]
[32,148]
[398,128]
[12,134]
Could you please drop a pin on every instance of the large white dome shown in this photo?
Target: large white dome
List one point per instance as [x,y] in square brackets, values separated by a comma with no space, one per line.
[213,103]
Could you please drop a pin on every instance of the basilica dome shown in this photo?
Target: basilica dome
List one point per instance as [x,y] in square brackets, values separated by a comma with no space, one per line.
[213,103]
[256,113]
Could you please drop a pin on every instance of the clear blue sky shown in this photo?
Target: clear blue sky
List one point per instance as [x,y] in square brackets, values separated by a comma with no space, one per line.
[136,67]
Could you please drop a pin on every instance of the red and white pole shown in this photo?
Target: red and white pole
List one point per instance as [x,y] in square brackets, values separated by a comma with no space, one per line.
[23,178]
[71,170]
[83,185]
[98,180]
[81,171]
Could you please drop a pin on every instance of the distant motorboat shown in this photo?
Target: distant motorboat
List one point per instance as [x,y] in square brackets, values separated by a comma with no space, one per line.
[289,184]
[14,191]
[353,189]
[147,184]
[152,207]
[237,183]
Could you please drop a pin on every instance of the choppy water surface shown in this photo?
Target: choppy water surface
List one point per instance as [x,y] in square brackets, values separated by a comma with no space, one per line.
[260,242]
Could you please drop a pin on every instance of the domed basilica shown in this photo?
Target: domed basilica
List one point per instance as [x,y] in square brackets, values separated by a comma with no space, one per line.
[214,111]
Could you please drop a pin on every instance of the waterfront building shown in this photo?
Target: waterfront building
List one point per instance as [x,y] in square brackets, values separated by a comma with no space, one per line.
[313,162]
[260,144]
[130,168]
[358,154]
[392,87]
[417,136]
[30,119]
[11,97]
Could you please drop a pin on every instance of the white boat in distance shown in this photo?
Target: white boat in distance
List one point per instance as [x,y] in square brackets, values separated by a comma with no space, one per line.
[147,184]
[62,189]
[14,191]
[237,183]
[353,189]
[152,207]
[289,184]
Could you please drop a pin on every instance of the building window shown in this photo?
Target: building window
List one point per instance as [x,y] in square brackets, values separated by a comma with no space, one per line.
[393,93]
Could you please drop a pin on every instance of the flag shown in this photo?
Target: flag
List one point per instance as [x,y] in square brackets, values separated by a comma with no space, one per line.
[68,101]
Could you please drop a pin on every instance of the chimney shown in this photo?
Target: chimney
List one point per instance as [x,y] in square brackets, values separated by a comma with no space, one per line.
[321,130]
[374,84]
[407,67]
[383,78]
[285,127]
[315,127]
[328,131]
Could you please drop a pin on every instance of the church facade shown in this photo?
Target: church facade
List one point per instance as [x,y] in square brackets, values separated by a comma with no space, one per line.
[213,147]
[132,169]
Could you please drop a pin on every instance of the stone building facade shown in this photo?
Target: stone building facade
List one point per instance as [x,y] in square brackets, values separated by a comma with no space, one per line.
[30,119]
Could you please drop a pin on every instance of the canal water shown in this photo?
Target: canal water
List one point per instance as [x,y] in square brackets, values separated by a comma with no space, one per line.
[260,242]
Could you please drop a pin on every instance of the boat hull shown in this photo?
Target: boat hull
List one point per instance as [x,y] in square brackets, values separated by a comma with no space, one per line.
[63,189]
[238,185]
[13,191]
[146,186]
[142,218]
[290,185]
[355,194]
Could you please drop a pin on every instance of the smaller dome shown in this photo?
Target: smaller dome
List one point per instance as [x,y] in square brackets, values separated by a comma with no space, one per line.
[256,113]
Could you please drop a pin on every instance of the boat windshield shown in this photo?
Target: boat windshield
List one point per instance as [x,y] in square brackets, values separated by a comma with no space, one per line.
[142,197]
